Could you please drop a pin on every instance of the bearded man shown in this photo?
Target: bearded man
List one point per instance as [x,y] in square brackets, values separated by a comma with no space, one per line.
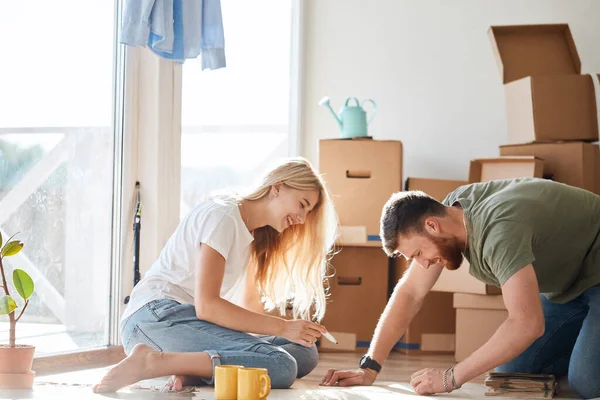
[538,240]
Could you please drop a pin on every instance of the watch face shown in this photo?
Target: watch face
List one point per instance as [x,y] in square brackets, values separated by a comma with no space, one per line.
[364,361]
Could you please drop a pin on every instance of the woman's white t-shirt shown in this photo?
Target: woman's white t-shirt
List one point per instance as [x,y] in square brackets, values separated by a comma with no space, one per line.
[217,223]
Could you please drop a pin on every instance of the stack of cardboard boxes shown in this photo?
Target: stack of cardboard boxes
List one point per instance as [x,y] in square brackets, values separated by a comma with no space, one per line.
[551,107]
[552,120]
[361,175]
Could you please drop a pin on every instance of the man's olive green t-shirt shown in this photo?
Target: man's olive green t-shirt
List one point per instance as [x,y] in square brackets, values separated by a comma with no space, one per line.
[513,223]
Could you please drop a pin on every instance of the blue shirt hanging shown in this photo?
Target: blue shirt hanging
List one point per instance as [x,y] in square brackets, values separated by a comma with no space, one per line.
[177,29]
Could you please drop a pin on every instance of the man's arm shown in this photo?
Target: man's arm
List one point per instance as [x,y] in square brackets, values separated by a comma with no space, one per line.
[405,302]
[525,323]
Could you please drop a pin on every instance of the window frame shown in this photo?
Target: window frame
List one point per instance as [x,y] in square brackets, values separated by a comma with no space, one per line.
[150,123]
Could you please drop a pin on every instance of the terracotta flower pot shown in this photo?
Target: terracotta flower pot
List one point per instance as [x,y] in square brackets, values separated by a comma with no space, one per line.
[15,367]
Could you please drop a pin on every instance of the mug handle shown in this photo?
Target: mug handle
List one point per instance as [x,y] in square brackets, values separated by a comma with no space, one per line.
[266,386]
[374,109]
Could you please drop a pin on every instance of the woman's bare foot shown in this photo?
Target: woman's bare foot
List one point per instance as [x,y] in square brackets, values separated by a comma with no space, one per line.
[137,366]
[177,382]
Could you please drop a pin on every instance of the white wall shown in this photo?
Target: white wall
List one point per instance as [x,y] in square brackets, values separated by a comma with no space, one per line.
[430,67]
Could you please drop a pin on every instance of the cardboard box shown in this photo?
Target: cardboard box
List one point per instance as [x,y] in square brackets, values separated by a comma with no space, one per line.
[436,188]
[573,163]
[488,169]
[346,342]
[359,292]
[547,98]
[460,281]
[352,234]
[432,330]
[477,319]
[361,175]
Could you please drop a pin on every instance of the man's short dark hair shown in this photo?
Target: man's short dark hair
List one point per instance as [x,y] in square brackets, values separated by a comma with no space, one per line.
[404,214]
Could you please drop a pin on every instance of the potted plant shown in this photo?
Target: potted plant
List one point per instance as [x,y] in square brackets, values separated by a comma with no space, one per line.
[15,360]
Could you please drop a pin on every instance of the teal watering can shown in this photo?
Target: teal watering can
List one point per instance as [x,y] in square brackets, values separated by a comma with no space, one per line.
[352,120]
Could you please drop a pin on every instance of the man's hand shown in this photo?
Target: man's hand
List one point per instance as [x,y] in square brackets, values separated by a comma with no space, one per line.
[429,381]
[356,377]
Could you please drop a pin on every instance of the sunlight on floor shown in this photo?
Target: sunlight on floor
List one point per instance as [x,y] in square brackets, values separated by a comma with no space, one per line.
[393,384]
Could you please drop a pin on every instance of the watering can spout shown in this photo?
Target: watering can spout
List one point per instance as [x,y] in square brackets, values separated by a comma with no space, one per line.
[325,103]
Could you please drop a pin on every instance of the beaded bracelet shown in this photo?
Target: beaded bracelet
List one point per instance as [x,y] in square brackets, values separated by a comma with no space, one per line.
[446,379]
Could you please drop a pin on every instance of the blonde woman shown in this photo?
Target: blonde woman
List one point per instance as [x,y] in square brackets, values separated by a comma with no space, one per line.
[205,301]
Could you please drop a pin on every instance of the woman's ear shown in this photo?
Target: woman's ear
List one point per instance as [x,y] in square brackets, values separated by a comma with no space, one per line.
[275,189]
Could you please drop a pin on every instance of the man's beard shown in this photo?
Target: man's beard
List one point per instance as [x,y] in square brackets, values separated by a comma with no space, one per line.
[450,251]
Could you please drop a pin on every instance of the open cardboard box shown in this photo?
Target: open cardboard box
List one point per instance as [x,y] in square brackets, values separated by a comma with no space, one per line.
[361,175]
[477,319]
[573,163]
[489,169]
[547,98]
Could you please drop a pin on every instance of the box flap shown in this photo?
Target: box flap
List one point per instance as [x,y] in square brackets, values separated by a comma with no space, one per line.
[531,50]
[494,302]
[461,281]
[564,143]
[489,169]
[436,188]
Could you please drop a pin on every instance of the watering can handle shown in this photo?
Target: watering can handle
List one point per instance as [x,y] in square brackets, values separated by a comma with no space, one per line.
[374,111]
[352,98]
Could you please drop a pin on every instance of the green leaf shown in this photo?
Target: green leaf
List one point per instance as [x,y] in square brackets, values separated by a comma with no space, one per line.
[23,283]
[12,248]
[7,305]
[0,240]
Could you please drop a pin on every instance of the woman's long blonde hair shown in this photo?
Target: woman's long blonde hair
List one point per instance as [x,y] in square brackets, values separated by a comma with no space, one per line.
[291,266]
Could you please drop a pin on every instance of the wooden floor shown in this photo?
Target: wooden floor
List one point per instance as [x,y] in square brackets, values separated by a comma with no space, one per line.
[392,383]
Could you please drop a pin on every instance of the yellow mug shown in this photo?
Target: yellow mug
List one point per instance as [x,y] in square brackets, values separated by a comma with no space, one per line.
[253,384]
[226,382]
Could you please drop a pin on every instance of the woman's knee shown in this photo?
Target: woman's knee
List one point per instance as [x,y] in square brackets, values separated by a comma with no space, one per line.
[307,360]
[283,371]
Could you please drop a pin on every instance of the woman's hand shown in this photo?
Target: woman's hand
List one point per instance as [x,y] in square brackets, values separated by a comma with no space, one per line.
[302,332]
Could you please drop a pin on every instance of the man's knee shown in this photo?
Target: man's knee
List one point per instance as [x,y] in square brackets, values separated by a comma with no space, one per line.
[284,370]
[307,360]
[586,387]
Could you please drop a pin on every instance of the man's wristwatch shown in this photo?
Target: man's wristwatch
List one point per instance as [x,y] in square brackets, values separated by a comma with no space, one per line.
[368,362]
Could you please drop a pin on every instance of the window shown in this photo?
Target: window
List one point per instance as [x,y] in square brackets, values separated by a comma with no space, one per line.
[235,121]
[57,160]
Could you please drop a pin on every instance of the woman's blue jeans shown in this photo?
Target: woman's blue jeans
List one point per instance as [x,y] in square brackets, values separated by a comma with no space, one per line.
[570,344]
[169,326]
